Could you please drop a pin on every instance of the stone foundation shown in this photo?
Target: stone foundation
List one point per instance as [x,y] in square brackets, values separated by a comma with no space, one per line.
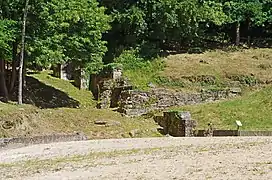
[137,103]
[178,124]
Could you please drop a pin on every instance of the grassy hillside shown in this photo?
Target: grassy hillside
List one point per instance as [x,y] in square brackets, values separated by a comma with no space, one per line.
[55,106]
[57,114]
[214,69]
[257,62]
[253,110]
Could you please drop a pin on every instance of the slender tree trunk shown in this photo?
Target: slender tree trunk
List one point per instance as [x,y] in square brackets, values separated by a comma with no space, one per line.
[20,90]
[237,42]
[14,66]
[3,86]
[248,32]
[24,74]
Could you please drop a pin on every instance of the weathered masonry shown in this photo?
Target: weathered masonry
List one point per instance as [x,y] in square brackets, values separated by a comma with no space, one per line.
[178,124]
[136,103]
[112,90]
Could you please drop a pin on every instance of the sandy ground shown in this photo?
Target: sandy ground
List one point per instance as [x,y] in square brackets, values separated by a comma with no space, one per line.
[140,159]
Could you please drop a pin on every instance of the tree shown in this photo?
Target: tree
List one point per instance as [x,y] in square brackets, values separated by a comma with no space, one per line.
[69,31]
[6,38]
[247,11]
[58,31]
[11,11]
[153,25]
[20,89]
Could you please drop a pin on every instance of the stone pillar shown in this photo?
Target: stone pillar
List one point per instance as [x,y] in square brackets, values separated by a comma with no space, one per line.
[179,124]
[105,99]
[81,78]
[116,74]
[105,94]
[66,71]
[187,124]
[63,71]
[84,80]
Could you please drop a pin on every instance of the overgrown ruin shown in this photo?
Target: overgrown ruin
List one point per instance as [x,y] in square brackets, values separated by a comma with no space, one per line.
[71,71]
[112,90]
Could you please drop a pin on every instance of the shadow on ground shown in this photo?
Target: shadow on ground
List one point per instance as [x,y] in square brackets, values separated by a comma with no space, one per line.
[44,96]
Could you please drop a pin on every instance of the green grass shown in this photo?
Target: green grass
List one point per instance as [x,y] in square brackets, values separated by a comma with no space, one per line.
[29,120]
[141,77]
[254,110]
[179,71]
[83,96]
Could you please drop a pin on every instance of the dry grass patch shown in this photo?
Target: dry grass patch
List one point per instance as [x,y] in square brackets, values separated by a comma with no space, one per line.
[224,66]
[220,63]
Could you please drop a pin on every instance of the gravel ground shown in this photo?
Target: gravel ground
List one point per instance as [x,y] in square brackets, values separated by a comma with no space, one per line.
[152,158]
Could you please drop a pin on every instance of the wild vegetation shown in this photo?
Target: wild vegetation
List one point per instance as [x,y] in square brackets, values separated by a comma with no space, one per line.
[179,44]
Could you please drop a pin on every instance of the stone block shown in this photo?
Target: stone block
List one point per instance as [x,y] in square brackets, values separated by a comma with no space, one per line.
[177,124]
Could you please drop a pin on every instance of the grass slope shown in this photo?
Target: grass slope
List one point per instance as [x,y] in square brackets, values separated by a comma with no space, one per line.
[28,120]
[53,114]
[257,62]
[84,97]
[179,70]
[253,110]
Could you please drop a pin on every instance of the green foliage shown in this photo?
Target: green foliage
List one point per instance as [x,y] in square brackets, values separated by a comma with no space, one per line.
[153,24]
[140,71]
[131,60]
[6,37]
[168,82]
[70,31]
[245,10]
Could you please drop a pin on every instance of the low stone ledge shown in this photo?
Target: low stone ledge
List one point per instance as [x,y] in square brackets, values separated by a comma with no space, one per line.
[255,133]
[216,133]
[45,139]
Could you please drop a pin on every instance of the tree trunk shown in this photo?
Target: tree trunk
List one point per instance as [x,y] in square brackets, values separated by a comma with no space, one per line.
[24,74]
[248,32]
[3,86]
[20,89]
[237,42]
[14,66]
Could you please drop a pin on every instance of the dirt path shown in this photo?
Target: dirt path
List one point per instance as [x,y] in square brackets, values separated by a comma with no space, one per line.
[157,158]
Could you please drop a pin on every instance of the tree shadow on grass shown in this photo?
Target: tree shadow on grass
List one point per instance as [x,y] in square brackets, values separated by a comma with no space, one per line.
[45,96]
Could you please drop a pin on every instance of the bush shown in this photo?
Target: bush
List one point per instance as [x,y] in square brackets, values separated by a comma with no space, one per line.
[139,70]
[131,60]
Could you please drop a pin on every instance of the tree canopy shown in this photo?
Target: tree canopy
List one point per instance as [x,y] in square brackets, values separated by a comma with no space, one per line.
[91,33]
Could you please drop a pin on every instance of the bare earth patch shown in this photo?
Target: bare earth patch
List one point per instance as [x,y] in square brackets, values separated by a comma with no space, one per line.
[153,158]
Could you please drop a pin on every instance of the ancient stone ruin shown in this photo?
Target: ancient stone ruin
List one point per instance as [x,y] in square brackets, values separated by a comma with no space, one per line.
[107,87]
[136,103]
[178,124]
[70,71]
[112,90]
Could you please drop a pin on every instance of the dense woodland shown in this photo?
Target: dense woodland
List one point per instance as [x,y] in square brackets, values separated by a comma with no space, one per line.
[94,33]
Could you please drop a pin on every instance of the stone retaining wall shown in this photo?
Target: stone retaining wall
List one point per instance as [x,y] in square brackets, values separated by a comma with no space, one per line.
[7,142]
[136,103]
